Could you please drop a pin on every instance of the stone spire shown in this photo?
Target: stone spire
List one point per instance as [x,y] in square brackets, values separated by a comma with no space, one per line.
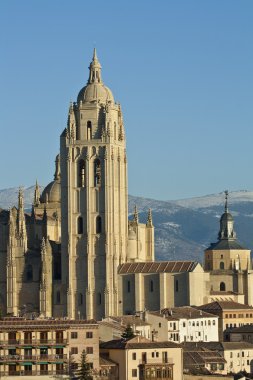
[149,220]
[136,215]
[57,174]
[36,199]
[226,223]
[95,69]
[21,219]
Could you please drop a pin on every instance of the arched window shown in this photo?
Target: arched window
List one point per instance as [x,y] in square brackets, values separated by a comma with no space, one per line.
[81,174]
[222,287]
[222,265]
[151,286]
[89,130]
[97,173]
[98,224]
[80,299]
[58,296]
[79,225]
[115,131]
[29,273]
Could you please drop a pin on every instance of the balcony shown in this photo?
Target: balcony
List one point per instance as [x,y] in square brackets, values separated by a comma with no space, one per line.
[33,358]
[34,342]
[156,371]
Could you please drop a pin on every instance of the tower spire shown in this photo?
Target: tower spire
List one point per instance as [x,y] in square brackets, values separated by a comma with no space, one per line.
[95,69]
[149,220]
[36,200]
[226,200]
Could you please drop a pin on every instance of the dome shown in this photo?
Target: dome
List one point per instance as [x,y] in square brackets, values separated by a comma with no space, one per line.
[226,217]
[95,91]
[52,192]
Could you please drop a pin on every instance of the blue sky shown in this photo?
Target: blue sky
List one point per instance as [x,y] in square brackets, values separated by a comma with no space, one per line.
[182,71]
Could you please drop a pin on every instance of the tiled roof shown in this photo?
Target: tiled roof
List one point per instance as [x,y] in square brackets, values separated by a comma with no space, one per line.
[104,361]
[224,245]
[224,305]
[158,267]
[127,320]
[243,329]
[36,324]
[183,312]
[137,343]
[201,358]
[215,346]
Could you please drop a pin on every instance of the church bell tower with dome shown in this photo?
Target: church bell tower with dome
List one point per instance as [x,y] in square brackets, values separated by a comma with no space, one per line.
[94,200]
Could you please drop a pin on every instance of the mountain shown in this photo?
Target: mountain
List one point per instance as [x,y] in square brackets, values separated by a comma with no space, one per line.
[183,228]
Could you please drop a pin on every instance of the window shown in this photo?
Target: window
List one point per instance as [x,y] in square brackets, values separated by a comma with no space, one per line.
[74,335]
[134,372]
[98,224]
[99,299]
[151,286]
[157,354]
[74,350]
[29,273]
[231,354]
[58,296]
[80,299]
[89,350]
[222,265]
[177,286]
[214,322]
[153,354]
[89,130]
[79,225]
[160,325]
[134,355]
[81,174]
[97,173]
[222,287]
[89,334]
[128,287]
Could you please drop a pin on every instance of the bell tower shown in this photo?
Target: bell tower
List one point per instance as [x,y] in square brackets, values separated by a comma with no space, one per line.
[94,200]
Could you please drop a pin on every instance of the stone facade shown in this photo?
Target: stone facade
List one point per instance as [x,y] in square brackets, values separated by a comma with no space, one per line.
[62,259]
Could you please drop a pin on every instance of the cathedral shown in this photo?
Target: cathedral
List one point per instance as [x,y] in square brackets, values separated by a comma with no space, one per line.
[76,254]
[62,259]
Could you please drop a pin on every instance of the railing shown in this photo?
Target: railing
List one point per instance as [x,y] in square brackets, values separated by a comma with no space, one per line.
[34,342]
[32,373]
[36,358]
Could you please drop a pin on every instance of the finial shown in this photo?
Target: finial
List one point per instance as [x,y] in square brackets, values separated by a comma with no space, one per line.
[136,216]
[95,58]
[149,221]
[226,200]
[57,173]
[20,198]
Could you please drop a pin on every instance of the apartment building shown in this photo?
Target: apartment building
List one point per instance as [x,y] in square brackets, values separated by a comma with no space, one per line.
[46,346]
[231,314]
[183,324]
